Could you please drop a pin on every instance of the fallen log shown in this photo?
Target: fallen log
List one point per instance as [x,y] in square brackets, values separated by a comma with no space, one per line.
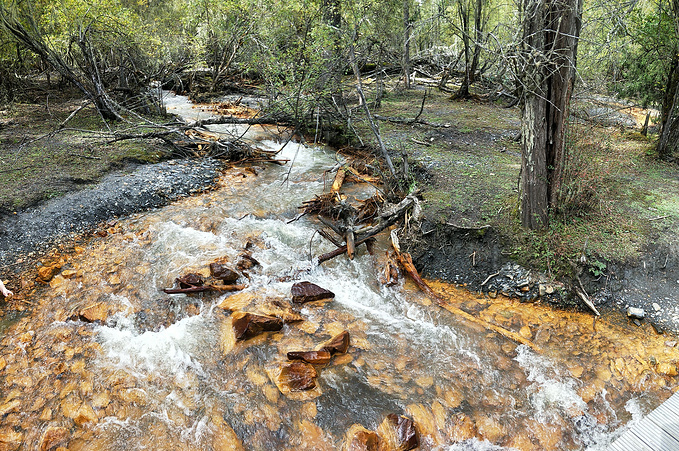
[407,263]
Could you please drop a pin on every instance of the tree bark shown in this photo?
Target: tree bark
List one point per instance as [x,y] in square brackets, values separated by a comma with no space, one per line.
[406,42]
[549,48]
[668,144]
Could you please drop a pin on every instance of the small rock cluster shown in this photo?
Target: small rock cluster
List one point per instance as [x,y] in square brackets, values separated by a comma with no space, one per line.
[515,281]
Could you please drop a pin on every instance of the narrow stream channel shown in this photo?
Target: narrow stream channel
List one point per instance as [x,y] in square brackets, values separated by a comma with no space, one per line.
[164,372]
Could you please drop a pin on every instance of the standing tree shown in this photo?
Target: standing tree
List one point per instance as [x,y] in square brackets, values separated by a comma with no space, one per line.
[407,30]
[668,144]
[545,68]
[472,39]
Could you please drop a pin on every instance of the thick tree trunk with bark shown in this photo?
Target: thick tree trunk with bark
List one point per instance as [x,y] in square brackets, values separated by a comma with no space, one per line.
[406,42]
[549,48]
[668,144]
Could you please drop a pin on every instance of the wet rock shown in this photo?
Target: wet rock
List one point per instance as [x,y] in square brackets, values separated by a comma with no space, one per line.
[359,438]
[667,369]
[190,280]
[246,261]
[53,437]
[636,313]
[10,439]
[68,273]
[9,407]
[398,433]
[313,357]
[303,292]
[247,325]
[280,309]
[658,328]
[95,312]
[298,376]
[338,344]
[224,273]
[45,273]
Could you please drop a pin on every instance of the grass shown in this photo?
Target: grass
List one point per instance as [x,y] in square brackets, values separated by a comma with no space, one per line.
[624,200]
[35,169]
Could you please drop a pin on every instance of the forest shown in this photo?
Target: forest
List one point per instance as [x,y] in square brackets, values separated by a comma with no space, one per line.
[337,224]
[325,69]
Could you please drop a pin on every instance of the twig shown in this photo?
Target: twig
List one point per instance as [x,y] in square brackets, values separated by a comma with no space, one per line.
[489,277]
[659,217]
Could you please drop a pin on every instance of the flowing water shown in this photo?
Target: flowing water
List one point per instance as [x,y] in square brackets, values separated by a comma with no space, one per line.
[164,372]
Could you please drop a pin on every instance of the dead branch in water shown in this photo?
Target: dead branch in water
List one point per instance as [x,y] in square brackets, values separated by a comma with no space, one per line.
[388,217]
[406,262]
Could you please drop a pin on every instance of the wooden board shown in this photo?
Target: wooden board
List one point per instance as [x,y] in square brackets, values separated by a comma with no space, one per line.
[658,431]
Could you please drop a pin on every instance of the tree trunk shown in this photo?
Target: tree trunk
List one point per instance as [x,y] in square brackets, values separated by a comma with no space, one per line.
[668,144]
[549,49]
[406,42]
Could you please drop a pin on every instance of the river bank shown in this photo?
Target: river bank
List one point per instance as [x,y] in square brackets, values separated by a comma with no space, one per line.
[467,168]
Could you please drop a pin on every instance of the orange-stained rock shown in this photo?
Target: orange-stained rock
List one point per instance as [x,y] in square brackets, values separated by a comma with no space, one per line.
[314,357]
[52,437]
[10,439]
[303,292]
[398,433]
[68,273]
[85,415]
[3,363]
[45,273]
[9,407]
[247,325]
[94,312]
[667,369]
[298,376]
[359,438]
[338,344]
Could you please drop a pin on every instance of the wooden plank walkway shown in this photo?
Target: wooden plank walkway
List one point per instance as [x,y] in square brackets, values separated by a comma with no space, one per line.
[658,431]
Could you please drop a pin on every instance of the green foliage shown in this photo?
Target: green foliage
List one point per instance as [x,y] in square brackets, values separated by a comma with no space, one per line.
[647,60]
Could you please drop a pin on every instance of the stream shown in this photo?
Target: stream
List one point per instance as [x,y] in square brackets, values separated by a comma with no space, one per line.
[165,372]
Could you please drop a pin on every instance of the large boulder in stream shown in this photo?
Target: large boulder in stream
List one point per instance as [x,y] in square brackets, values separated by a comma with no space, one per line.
[303,292]
[248,325]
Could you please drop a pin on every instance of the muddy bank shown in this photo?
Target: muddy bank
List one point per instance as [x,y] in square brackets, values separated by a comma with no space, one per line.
[474,258]
[139,188]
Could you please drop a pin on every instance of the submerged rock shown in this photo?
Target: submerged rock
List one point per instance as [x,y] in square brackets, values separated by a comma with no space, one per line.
[298,376]
[399,433]
[303,292]
[95,312]
[247,325]
[359,438]
[53,437]
[338,344]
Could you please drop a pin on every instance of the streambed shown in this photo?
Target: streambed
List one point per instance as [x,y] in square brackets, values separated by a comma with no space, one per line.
[165,371]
